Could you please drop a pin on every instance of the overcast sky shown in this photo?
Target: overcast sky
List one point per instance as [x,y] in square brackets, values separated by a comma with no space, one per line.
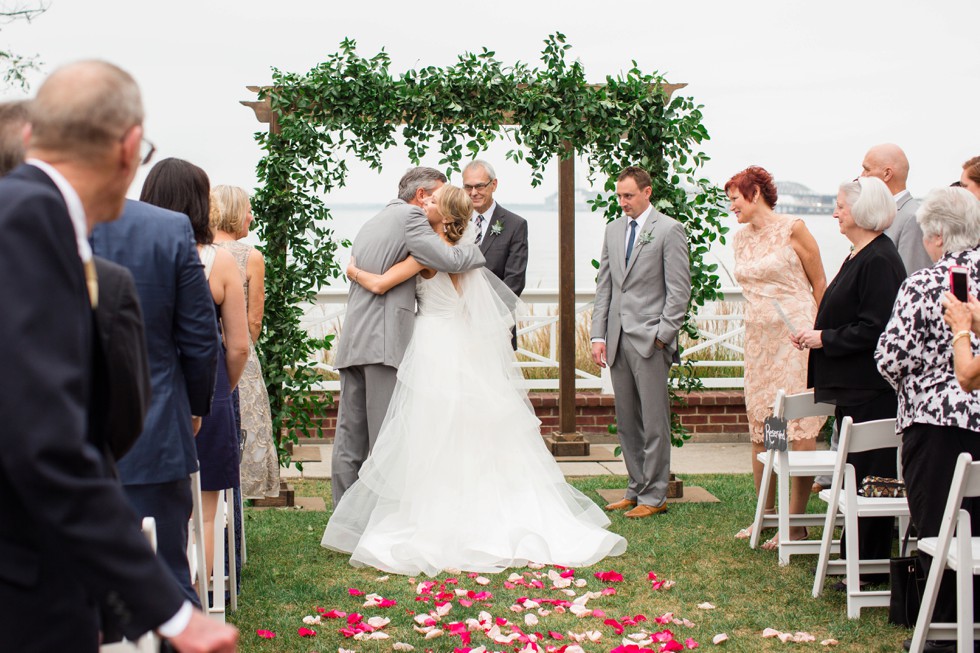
[801,88]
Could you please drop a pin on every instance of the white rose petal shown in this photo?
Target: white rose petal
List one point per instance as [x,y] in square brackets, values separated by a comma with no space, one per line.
[706,606]
[719,638]
[402,646]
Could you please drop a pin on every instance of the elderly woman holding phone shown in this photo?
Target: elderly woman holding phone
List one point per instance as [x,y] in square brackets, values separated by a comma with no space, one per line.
[850,319]
[938,418]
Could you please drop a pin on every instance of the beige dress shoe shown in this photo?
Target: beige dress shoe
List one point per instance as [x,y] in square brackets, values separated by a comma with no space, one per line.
[646,511]
[622,504]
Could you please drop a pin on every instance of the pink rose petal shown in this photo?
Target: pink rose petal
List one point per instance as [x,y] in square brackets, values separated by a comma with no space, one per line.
[265,634]
[306,632]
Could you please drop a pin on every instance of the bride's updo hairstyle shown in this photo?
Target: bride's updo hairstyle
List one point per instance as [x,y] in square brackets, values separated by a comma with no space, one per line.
[455,206]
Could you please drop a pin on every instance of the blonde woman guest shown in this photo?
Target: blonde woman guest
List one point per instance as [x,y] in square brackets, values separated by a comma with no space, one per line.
[231,217]
[776,260]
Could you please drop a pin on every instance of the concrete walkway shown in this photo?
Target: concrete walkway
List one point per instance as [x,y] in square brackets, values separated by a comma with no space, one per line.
[692,458]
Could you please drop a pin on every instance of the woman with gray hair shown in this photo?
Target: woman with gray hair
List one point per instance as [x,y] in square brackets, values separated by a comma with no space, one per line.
[938,419]
[852,314]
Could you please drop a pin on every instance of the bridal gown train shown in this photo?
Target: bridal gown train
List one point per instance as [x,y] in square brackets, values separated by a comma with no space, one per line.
[460,477]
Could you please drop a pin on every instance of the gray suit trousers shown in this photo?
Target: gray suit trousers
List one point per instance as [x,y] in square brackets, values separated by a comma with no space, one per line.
[643,421]
[365,392]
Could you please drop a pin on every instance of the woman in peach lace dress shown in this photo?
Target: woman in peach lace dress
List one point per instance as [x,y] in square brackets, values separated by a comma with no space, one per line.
[776,258]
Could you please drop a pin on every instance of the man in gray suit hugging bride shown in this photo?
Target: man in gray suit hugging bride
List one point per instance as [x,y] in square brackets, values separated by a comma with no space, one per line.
[378,328]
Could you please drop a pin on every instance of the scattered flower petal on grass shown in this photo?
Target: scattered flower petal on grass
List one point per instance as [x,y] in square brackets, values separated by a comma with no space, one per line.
[829,642]
[432,634]
[706,606]
[609,576]
[691,643]
[770,632]
[402,646]
[334,614]
[310,620]
[378,622]
[353,591]
[720,638]
[306,632]
[481,580]
[265,634]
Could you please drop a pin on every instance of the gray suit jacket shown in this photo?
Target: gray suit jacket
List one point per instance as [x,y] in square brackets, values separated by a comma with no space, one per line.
[646,300]
[378,327]
[506,252]
[907,236]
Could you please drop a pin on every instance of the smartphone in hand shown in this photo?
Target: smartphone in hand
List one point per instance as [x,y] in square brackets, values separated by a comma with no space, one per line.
[958,282]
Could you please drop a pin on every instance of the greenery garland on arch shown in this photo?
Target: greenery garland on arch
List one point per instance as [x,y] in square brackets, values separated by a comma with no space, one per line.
[352,107]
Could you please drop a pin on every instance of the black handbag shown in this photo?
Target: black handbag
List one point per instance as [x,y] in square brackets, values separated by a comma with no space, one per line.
[906,584]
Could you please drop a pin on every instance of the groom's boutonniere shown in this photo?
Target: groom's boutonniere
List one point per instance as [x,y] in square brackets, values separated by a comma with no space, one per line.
[646,237]
[497,228]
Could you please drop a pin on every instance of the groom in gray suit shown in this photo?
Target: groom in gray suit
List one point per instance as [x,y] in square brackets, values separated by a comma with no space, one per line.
[642,293]
[378,327]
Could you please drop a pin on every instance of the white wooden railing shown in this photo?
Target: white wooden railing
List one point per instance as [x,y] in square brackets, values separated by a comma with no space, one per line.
[720,346]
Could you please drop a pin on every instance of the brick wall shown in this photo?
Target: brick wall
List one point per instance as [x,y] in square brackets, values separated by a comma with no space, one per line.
[711,416]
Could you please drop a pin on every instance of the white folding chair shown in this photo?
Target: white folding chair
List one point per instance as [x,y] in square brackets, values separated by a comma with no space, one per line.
[148,643]
[224,530]
[786,464]
[959,552]
[842,498]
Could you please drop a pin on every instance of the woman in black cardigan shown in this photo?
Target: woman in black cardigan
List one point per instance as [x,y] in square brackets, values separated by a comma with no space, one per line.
[850,319]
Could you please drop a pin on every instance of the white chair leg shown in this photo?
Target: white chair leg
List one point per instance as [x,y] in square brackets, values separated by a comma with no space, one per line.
[964,584]
[782,501]
[232,565]
[826,544]
[217,607]
[760,505]
[198,558]
[241,505]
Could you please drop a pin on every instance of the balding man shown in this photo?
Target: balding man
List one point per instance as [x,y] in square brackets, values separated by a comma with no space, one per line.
[888,163]
[69,542]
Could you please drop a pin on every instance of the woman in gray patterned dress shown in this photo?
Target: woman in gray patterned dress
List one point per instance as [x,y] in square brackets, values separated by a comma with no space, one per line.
[231,215]
[938,419]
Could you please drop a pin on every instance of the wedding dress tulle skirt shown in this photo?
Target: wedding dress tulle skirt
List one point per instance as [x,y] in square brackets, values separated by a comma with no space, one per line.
[460,477]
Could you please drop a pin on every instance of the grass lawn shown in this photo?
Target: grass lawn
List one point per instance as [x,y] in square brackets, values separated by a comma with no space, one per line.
[289,575]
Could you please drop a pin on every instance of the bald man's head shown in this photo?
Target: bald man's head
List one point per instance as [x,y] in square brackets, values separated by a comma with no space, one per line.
[888,163]
[83,108]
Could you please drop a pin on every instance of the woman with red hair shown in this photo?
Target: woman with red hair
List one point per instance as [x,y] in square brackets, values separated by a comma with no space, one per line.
[777,264]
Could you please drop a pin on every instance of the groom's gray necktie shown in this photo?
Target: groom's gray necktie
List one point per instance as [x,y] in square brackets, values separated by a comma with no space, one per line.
[479,228]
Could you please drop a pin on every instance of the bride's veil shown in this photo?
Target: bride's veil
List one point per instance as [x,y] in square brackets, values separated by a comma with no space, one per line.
[491,307]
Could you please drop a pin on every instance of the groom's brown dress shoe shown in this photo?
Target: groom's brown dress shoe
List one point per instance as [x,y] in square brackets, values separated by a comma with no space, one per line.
[622,504]
[646,511]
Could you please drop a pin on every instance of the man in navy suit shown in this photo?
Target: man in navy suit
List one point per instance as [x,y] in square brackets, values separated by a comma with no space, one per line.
[157,247]
[69,542]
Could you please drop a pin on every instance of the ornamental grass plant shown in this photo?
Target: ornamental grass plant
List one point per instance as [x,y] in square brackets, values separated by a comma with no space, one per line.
[288,576]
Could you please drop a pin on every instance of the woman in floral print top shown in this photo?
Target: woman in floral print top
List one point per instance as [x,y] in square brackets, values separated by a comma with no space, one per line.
[938,419]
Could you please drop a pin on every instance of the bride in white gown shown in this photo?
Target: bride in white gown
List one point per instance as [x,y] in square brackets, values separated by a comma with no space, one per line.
[460,477]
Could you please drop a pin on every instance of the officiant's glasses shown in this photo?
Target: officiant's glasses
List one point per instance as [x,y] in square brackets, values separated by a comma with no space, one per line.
[469,187]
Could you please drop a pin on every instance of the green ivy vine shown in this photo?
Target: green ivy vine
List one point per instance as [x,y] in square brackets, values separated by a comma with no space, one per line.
[350,107]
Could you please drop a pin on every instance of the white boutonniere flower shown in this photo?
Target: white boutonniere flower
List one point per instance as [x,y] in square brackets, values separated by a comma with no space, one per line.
[646,237]
[497,228]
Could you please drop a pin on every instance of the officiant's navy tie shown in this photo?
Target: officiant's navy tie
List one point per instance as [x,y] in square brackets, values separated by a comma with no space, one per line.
[629,245]
[479,229]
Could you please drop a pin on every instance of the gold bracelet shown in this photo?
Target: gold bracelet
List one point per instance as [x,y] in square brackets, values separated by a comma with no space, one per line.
[961,334]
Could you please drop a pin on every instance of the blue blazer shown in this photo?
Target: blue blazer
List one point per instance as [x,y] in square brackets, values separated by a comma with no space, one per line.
[68,539]
[157,246]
